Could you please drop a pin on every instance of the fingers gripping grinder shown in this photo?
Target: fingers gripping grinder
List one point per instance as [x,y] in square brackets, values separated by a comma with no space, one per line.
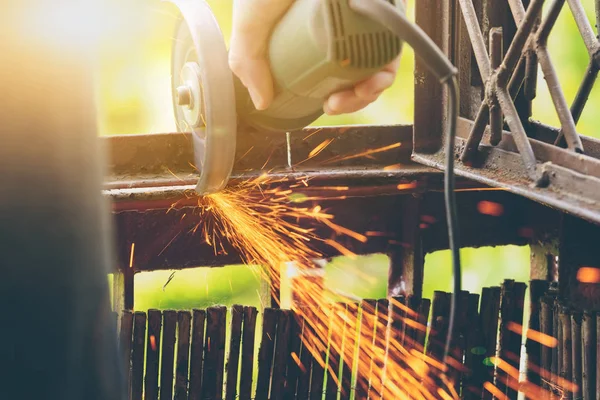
[319,47]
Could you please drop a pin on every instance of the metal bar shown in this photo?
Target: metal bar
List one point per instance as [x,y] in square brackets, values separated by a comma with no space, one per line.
[591,74]
[184,319]
[551,77]
[247,359]
[576,351]
[518,132]
[233,361]
[152,355]
[429,95]
[585,28]
[197,355]
[496,122]
[526,23]
[546,320]
[479,47]
[537,289]
[482,118]
[589,365]
[543,56]
[566,365]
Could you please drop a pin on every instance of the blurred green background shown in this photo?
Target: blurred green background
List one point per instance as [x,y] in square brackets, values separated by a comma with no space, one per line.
[134,96]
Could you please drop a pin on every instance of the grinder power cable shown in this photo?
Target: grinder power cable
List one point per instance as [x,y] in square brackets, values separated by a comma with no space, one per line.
[343,42]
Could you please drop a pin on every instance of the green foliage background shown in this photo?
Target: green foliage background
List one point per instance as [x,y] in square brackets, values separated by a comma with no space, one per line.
[134,96]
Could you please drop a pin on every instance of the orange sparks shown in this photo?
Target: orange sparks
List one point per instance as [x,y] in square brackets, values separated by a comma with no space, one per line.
[131,255]
[335,188]
[536,336]
[298,362]
[344,251]
[341,230]
[588,275]
[314,152]
[312,134]
[407,186]
[153,343]
[489,386]
[345,63]
[365,153]
[490,208]
[394,167]
[257,224]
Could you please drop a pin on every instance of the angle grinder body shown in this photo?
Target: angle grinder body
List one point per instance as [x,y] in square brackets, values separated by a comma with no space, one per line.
[319,47]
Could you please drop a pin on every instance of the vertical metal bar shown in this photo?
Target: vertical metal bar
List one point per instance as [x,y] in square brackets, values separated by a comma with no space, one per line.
[247,360]
[496,46]
[197,355]
[429,96]
[546,318]
[479,47]
[566,371]
[589,364]
[152,355]
[233,361]
[407,262]
[526,21]
[182,366]
[576,351]
[537,289]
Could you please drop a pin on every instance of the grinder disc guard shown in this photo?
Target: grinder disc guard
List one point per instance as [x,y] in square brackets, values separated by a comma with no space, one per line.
[203,93]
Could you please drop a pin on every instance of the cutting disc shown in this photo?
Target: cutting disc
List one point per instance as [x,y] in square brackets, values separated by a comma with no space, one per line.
[203,93]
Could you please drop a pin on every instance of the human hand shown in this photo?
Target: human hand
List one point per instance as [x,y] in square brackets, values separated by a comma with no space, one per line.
[253,23]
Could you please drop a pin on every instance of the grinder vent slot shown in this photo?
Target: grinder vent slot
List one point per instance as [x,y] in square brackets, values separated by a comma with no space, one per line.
[359,49]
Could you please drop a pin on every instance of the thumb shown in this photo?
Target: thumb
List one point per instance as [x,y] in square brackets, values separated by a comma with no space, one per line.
[253,23]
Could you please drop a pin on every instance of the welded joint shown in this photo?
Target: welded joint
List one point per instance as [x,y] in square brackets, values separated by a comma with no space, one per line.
[499,78]
[520,65]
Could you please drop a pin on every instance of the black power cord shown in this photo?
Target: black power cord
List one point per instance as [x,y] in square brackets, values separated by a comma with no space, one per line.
[389,16]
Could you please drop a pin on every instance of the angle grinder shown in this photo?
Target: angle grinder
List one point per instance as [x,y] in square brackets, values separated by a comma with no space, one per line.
[340,46]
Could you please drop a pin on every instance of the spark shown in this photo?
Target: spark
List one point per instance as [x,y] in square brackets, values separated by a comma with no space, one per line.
[262,223]
[364,153]
[168,244]
[131,255]
[536,336]
[490,208]
[174,175]
[317,150]
[314,152]
[407,186]
[588,275]
[312,134]
[153,342]
[394,167]
[246,153]
[489,386]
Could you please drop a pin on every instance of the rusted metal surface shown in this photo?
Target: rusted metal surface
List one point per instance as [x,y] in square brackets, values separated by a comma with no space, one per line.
[561,178]
[574,187]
